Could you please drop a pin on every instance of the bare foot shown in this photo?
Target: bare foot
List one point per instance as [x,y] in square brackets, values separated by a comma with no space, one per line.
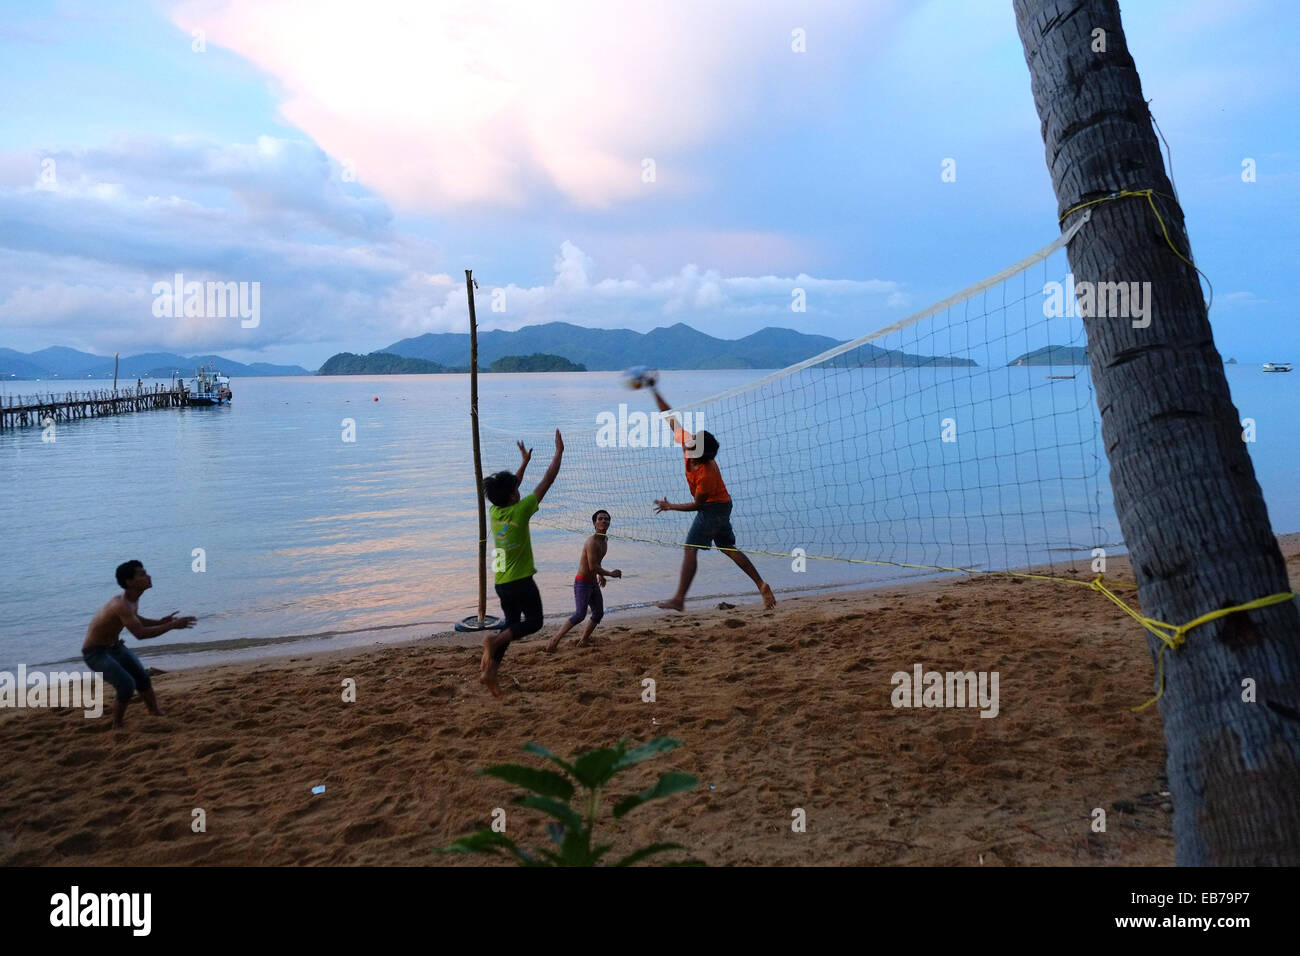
[489,679]
[769,599]
[581,642]
[674,604]
[553,643]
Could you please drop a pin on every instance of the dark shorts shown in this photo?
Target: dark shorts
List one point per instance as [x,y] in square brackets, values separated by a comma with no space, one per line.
[120,668]
[521,604]
[586,594]
[712,524]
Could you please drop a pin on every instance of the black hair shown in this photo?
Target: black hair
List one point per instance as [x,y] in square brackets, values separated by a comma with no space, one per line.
[597,514]
[126,571]
[500,488]
[710,447]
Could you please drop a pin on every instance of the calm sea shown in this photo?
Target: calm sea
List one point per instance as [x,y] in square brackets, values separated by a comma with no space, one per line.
[302,534]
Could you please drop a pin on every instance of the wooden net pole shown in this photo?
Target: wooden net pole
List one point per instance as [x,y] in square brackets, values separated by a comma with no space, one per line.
[478,459]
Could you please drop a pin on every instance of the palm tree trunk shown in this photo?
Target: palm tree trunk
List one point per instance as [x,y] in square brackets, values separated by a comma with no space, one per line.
[1190,509]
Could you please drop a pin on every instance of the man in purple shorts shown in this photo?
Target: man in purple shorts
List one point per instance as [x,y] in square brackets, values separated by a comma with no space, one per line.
[588,582]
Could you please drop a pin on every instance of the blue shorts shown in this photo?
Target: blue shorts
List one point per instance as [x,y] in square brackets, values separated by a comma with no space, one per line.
[712,524]
[120,668]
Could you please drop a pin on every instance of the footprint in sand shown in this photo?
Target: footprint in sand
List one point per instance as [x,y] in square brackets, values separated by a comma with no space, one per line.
[79,756]
[370,830]
[211,747]
[172,830]
[79,844]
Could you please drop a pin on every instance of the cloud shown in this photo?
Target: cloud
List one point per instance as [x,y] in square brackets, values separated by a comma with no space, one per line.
[724,305]
[439,104]
[81,250]
[287,182]
[571,268]
[80,254]
[1240,299]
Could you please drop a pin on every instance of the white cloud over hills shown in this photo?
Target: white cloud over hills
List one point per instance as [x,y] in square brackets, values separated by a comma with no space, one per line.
[721,305]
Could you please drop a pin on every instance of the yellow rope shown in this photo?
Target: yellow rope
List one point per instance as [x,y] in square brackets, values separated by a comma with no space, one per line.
[1173,636]
[1147,194]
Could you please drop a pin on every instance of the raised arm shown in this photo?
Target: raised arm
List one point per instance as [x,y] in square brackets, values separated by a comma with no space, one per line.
[672,421]
[526,454]
[548,479]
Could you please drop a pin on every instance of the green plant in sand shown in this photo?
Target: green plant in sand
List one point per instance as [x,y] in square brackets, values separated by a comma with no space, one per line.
[553,793]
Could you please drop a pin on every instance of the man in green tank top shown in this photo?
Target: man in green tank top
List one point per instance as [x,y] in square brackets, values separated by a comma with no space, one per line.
[512,558]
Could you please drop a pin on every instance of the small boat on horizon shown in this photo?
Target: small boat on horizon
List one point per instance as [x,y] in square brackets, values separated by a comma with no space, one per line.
[1277,366]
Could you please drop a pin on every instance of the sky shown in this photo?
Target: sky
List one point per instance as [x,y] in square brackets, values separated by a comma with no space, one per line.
[612,164]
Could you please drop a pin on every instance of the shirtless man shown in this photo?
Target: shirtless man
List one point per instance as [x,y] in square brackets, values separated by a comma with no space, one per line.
[105,651]
[590,579]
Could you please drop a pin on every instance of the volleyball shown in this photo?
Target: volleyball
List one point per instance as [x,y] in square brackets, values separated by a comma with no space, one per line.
[640,377]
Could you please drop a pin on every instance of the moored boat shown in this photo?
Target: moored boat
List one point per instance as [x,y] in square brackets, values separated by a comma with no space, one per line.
[208,387]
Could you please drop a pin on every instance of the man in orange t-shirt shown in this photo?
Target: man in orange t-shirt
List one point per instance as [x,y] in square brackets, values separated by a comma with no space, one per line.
[712,507]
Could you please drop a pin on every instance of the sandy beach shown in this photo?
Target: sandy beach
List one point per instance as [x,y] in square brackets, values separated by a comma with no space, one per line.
[777,710]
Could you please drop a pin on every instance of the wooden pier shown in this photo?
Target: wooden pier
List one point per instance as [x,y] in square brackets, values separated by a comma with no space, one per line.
[18,411]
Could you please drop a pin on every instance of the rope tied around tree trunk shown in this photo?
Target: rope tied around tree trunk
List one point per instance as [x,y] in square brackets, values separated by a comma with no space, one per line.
[1146,194]
[1173,636]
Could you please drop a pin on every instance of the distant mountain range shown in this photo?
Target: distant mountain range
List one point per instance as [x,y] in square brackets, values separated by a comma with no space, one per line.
[676,347]
[69,364]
